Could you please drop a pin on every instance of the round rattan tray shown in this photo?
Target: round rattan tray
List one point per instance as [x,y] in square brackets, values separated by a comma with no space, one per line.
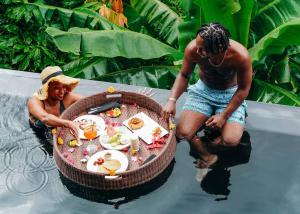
[137,173]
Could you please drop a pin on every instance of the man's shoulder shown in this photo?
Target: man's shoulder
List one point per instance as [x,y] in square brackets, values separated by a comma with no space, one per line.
[190,50]
[240,50]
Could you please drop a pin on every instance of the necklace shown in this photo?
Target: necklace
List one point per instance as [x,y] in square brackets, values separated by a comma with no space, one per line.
[217,65]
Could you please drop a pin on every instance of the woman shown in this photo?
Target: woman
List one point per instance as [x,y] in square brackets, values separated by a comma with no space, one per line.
[48,103]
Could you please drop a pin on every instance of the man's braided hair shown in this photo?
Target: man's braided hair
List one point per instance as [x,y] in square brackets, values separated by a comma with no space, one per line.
[215,36]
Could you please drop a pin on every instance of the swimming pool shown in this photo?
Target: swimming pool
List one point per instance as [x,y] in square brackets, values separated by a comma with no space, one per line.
[267,183]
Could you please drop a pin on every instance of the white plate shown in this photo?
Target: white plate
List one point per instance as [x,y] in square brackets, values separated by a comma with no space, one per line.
[145,132]
[125,131]
[114,155]
[93,118]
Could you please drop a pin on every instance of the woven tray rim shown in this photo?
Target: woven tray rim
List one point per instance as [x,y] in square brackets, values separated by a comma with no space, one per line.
[58,156]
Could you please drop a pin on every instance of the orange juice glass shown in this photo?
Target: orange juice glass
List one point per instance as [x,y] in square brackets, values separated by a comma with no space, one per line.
[90,132]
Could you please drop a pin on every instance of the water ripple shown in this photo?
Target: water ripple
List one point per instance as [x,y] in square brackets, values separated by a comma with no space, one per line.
[25,182]
[2,163]
[39,159]
[15,158]
[12,114]
[24,161]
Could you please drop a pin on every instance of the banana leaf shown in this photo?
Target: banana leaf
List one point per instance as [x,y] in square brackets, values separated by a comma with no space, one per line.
[186,5]
[273,14]
[221,11]
[189,27]
[86,68]
[107,43]
[149,76]
[264,92]
[281,71]
[81,17]
[242,20]
[235,15]
[276,41]
[160,17]
[65,3]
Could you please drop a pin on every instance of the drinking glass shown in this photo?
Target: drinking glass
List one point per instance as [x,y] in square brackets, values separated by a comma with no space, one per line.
[90,132]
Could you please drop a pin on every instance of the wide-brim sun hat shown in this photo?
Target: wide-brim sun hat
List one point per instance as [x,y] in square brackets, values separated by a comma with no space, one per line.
[54,73]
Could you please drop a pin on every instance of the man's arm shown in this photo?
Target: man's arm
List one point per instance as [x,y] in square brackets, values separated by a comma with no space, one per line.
[182,79]
[181,82]
[244,79]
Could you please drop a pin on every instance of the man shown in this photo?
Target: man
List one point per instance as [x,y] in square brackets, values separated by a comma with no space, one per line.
[217,99]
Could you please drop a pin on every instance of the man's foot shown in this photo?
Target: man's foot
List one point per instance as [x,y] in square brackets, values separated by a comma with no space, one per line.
[201,174]
[207,162]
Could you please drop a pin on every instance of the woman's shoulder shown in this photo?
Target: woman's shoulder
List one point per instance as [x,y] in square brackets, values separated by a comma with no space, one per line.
[34,101]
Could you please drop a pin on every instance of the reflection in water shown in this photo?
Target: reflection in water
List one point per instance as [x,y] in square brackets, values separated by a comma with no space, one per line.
[217,180]
[118,197]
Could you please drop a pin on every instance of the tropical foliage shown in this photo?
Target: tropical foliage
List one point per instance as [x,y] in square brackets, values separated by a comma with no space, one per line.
[149,52]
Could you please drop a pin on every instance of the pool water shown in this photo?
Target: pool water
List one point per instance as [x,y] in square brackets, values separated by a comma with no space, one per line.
[262,180]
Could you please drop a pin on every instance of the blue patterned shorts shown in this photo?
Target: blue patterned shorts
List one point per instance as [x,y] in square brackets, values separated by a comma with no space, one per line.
[210,101]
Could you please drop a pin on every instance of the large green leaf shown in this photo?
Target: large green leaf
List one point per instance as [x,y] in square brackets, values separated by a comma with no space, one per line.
[150,76]
[276,41]
[81,17]
[221,11]
[242,20]
[272,14]
[162,19]
[264,92]
[281,71]
[235,15]
[86,68]
[186,5]
[107,43]
[188,28]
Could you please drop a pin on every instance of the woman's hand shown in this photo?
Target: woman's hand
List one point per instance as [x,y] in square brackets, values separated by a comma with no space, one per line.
[216,121]
[74,128]
[169,109]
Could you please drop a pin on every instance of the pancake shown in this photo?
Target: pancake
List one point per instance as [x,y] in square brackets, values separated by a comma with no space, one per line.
[135,123]
[112,165]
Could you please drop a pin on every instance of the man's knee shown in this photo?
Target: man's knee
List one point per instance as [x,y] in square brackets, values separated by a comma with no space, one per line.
[183,133]
[230,140]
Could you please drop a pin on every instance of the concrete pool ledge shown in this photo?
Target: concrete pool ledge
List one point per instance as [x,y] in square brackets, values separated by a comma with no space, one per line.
[262,117]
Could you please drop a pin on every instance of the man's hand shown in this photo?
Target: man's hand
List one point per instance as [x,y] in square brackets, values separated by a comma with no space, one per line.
[169,110]
[216,121]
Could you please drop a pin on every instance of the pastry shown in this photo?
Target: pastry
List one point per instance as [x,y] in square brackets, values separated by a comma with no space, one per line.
[135,123]
[112,165]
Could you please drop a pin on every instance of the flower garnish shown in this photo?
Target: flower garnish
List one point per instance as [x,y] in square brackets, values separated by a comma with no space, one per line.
[72,143]
[115,112]
[53,131]
[60,141]
[156,131]
[172,126]
[111,89]
[157,142]
[99,161]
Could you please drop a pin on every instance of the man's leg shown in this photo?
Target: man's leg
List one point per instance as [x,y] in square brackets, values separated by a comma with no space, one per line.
[230,136]
[188,124]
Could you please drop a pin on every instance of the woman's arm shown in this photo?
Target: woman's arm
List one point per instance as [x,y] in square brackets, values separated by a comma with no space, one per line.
[35,108]
[71,98]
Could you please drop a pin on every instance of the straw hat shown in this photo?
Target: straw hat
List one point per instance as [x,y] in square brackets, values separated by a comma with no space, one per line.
[53,73]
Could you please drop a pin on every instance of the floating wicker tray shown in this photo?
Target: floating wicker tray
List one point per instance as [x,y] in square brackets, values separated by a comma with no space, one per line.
[136,174]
